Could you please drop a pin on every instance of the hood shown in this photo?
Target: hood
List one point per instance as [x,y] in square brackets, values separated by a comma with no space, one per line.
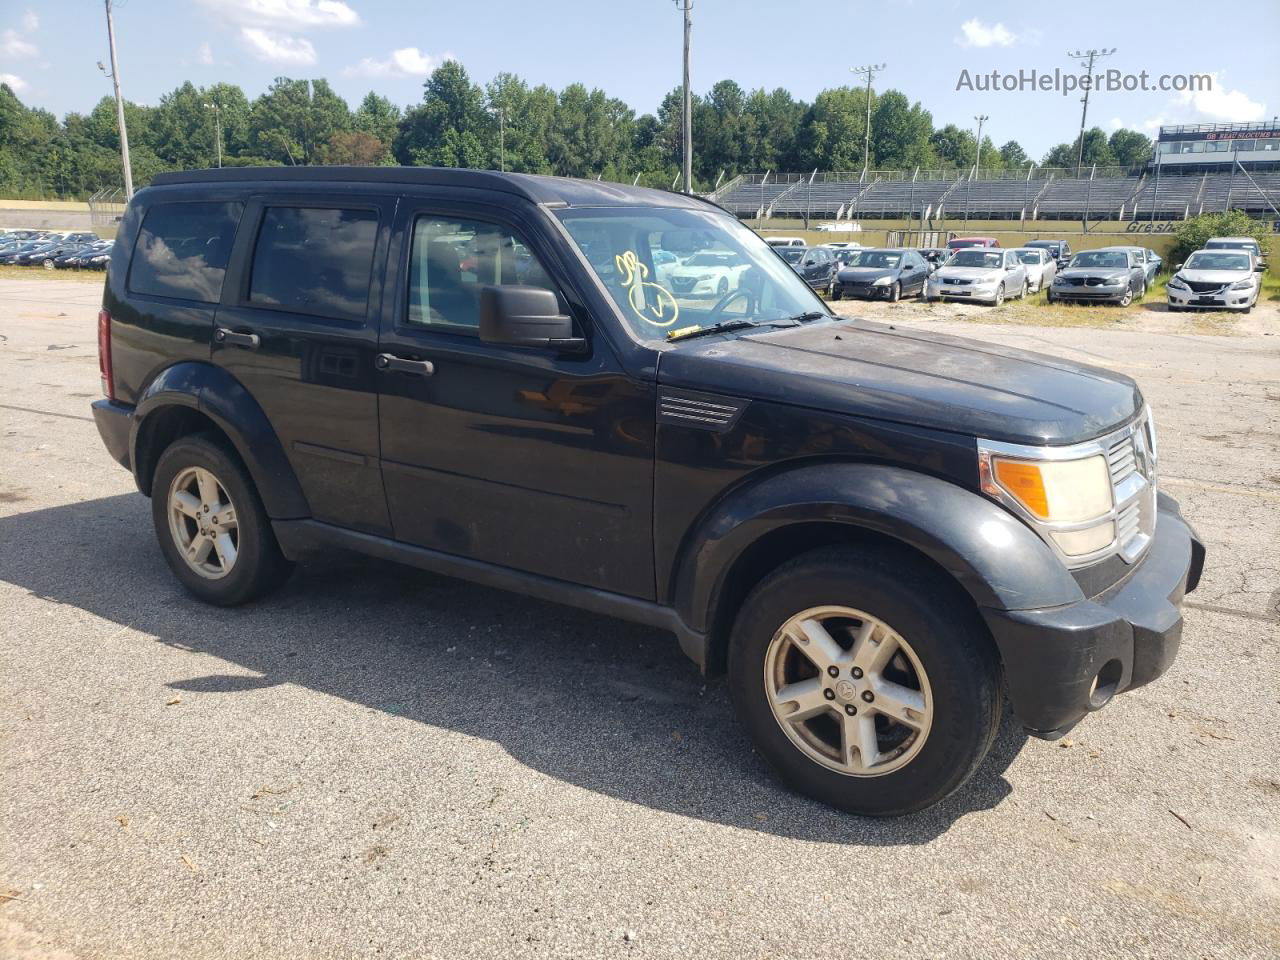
[968,273]
[866,274]
[1070,272]
[909,376]
[1214,276]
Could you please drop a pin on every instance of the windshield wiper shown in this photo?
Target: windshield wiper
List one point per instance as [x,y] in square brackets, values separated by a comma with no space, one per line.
[721,327]
[812,315]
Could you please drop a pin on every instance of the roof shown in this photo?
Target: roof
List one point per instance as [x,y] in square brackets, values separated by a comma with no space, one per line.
[557,191]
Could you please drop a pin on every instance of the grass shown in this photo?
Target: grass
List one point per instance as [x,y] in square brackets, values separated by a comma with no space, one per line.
[8,272]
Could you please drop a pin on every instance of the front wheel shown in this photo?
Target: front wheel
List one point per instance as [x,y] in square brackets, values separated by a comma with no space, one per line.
[1126,299]
[999,298]
[212,528]
[859,682]
[895,293]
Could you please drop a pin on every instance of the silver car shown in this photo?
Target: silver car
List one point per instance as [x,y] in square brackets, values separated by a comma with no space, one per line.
[1108,275]
[979,273]
[1216,280]
[1041,267]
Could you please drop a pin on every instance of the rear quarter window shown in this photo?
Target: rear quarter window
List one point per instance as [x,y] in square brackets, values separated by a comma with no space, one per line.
[182,250]
[314,260]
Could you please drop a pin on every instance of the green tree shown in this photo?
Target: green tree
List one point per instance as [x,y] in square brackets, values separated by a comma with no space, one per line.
[449,128]
[1096,151]
[1192,234]
[294,117]
[954,146]
[900,132]
[832,135]
[1013,155]
[1130,148]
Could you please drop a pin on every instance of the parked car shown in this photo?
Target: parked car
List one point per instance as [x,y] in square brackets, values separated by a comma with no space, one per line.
[1224,278]
[934,256]
[842,245]
[45,254]
[1236,243]
[785,241]
[960,243]
[81,256]
[979,274]
[1150,262]
[815,265]
[1109,275]
[1060,250]
[882,274]
[21,256]
[1040,265]
[82,238]
[879,534]
[708,273]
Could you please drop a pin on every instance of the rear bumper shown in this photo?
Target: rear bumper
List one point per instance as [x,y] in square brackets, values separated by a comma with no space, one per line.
[115,423]
[1062,663]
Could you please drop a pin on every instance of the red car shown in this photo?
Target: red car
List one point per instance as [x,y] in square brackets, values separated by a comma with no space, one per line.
[959,243]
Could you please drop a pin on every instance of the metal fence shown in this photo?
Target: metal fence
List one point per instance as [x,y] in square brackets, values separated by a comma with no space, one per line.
[106,206]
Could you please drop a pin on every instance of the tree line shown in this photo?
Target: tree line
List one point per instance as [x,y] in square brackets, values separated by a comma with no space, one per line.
[576,132]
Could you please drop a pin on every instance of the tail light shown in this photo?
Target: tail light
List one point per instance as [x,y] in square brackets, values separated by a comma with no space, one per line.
[104,355]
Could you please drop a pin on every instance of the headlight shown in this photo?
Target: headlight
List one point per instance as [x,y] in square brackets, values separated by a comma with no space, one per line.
[1059,281]
[1063,496]
[882,282]
[1244,284]
[1176,283]
[1113,282]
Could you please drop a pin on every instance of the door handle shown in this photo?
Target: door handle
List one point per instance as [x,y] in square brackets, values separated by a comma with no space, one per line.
[248,340]
[393,364]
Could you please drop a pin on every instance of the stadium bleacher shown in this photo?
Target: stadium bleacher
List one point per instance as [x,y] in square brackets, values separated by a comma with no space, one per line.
[994,199]
[1102,198]
[901,198]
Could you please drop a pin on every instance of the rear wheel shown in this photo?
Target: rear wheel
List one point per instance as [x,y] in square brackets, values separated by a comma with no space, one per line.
[860,684]
[212,528]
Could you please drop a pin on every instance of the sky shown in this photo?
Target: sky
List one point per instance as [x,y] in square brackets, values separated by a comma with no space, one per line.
[49,52]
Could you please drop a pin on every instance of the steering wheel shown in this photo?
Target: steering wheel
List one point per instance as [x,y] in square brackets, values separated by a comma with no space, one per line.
[744,292]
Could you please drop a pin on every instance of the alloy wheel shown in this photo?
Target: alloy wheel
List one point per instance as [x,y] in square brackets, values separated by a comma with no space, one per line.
[848,691]
[202,521]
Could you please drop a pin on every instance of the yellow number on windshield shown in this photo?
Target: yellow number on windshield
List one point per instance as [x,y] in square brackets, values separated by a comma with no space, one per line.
[651,302]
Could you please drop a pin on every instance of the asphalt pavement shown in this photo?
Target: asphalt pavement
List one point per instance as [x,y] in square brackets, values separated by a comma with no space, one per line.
[377,762]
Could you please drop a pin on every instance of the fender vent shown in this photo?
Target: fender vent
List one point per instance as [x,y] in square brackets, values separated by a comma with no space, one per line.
[704,411]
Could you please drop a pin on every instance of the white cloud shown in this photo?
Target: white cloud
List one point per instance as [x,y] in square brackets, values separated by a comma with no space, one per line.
[285,14]
[978,34]
[13,82]
[30,22]
[278,47]
[406,62]
[1215,105]
[12,45]
[1116,123]
[205,54]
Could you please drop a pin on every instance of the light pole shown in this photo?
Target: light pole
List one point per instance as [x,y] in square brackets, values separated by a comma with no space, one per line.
[977,159]
[501,114]
[686,123]
[217,137]
[1088,57]
[869,72]
[114,76]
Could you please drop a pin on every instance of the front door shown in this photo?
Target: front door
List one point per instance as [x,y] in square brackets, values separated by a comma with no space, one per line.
[522,457]
[296,328]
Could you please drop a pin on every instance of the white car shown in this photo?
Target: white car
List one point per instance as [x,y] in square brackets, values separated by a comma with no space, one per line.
[979,273]
[1041,267]
[785,241]
[710,273]
[1220,279]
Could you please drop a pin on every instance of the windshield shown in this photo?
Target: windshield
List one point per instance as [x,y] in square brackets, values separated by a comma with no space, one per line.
[961,244]
[730,273]
[1029,256]
[1099,258]
[1232,245]
[976,258]
[1203,260]
[879,259]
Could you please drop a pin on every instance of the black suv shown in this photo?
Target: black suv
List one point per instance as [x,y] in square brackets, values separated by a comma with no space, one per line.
[879,534]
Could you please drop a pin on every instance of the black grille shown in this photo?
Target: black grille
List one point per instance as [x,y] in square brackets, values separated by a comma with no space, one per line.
[682,283]
[1200,286]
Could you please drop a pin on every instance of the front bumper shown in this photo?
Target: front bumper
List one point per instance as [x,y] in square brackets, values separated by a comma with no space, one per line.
[115,423]
[959,291]
[1094,294]
[1218,300]
[1062,663]
[864,291]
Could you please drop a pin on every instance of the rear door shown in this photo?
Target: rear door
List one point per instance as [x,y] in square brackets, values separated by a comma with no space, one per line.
[527,458]
[296,328]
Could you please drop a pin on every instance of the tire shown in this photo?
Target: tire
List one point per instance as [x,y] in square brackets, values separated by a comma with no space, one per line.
[947,662]
[1126,299]
[1048,296]
[225,578]
[723,287]
[999,298]
[1026,289]
[47,264]
[836,294]
[895,292]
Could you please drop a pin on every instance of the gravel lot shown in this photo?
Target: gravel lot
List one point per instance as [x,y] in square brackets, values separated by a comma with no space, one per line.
[378,762]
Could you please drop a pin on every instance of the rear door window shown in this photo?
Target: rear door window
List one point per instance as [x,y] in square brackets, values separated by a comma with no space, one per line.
[182,250]
[314,260]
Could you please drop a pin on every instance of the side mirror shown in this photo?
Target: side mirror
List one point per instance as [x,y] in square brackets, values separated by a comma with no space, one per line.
[526,317]
[1177,266]
[1259,268]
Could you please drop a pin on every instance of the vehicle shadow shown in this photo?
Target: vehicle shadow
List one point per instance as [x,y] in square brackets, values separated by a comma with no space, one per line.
[608,706]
